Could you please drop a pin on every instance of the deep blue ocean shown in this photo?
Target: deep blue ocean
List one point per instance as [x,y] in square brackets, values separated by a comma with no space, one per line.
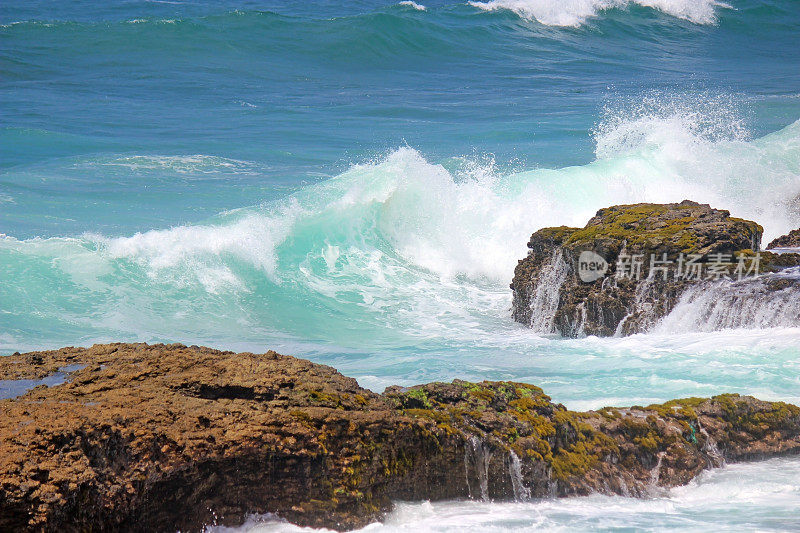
[353,182]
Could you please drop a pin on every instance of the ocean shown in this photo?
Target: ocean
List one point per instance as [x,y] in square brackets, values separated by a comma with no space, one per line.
[354,182]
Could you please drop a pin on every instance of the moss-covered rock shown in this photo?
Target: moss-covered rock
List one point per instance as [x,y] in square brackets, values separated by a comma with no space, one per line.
[173,437]
[646,249]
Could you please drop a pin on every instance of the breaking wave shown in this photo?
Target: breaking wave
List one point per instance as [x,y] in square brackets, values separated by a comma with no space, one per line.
[576,12]
[395,242]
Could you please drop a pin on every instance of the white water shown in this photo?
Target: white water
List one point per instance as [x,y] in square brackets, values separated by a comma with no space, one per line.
[473,222]
[476,467]
[545,297]
[521,492]
[576,12]
[414,5]
[733,305]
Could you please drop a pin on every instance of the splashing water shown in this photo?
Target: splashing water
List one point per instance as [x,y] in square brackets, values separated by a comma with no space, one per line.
[734,305]
[393,251]
[521,492]
[576,12]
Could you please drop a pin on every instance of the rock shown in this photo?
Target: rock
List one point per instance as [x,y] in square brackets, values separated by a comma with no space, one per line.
[791,240]
[171,438]
[598,280]
[145,438]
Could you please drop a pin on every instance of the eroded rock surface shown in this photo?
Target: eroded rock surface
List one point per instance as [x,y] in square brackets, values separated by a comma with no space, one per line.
[550,295]
[790,240]
[145,438]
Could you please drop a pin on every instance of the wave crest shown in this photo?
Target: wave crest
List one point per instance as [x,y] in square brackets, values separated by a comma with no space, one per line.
[412,5]
[576,12]
[396,247]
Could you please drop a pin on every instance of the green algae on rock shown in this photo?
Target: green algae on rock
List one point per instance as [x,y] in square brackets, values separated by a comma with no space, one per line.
[550,294]
[169,437]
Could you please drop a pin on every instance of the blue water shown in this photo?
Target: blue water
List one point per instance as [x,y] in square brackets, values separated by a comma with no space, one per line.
[353,182]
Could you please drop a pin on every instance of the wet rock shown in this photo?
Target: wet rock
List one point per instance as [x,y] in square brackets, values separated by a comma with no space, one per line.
[144,438]
[630,265]
[791,240]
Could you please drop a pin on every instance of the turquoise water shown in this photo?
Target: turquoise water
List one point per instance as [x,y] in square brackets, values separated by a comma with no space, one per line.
[353,182]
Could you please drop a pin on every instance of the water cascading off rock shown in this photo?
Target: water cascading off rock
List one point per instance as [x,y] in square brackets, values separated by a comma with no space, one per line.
[634,268]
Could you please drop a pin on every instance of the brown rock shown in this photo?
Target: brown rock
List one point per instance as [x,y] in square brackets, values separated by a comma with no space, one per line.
[170,437]
[791,240]
[550,295]
[145,438]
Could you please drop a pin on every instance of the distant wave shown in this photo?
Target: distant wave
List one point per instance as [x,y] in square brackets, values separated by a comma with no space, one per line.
[576,12]
[402,33]
[565,13]
[347,39]
[410,3]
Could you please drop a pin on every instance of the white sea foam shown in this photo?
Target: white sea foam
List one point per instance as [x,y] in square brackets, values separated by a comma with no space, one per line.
[204,254]
[182,164]
[410,3]
[576,12]
[154,21]
[476,224]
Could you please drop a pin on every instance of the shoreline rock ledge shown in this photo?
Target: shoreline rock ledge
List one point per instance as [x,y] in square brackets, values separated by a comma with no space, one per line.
[167,437]
[638,257]
[791,241]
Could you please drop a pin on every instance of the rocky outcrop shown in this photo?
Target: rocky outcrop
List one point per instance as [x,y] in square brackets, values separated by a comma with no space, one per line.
[791,240]
[631,264]
[144,438]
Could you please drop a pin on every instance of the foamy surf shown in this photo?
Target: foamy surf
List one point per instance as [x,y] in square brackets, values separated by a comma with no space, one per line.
[403,264]
[399,240]
[577,12]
